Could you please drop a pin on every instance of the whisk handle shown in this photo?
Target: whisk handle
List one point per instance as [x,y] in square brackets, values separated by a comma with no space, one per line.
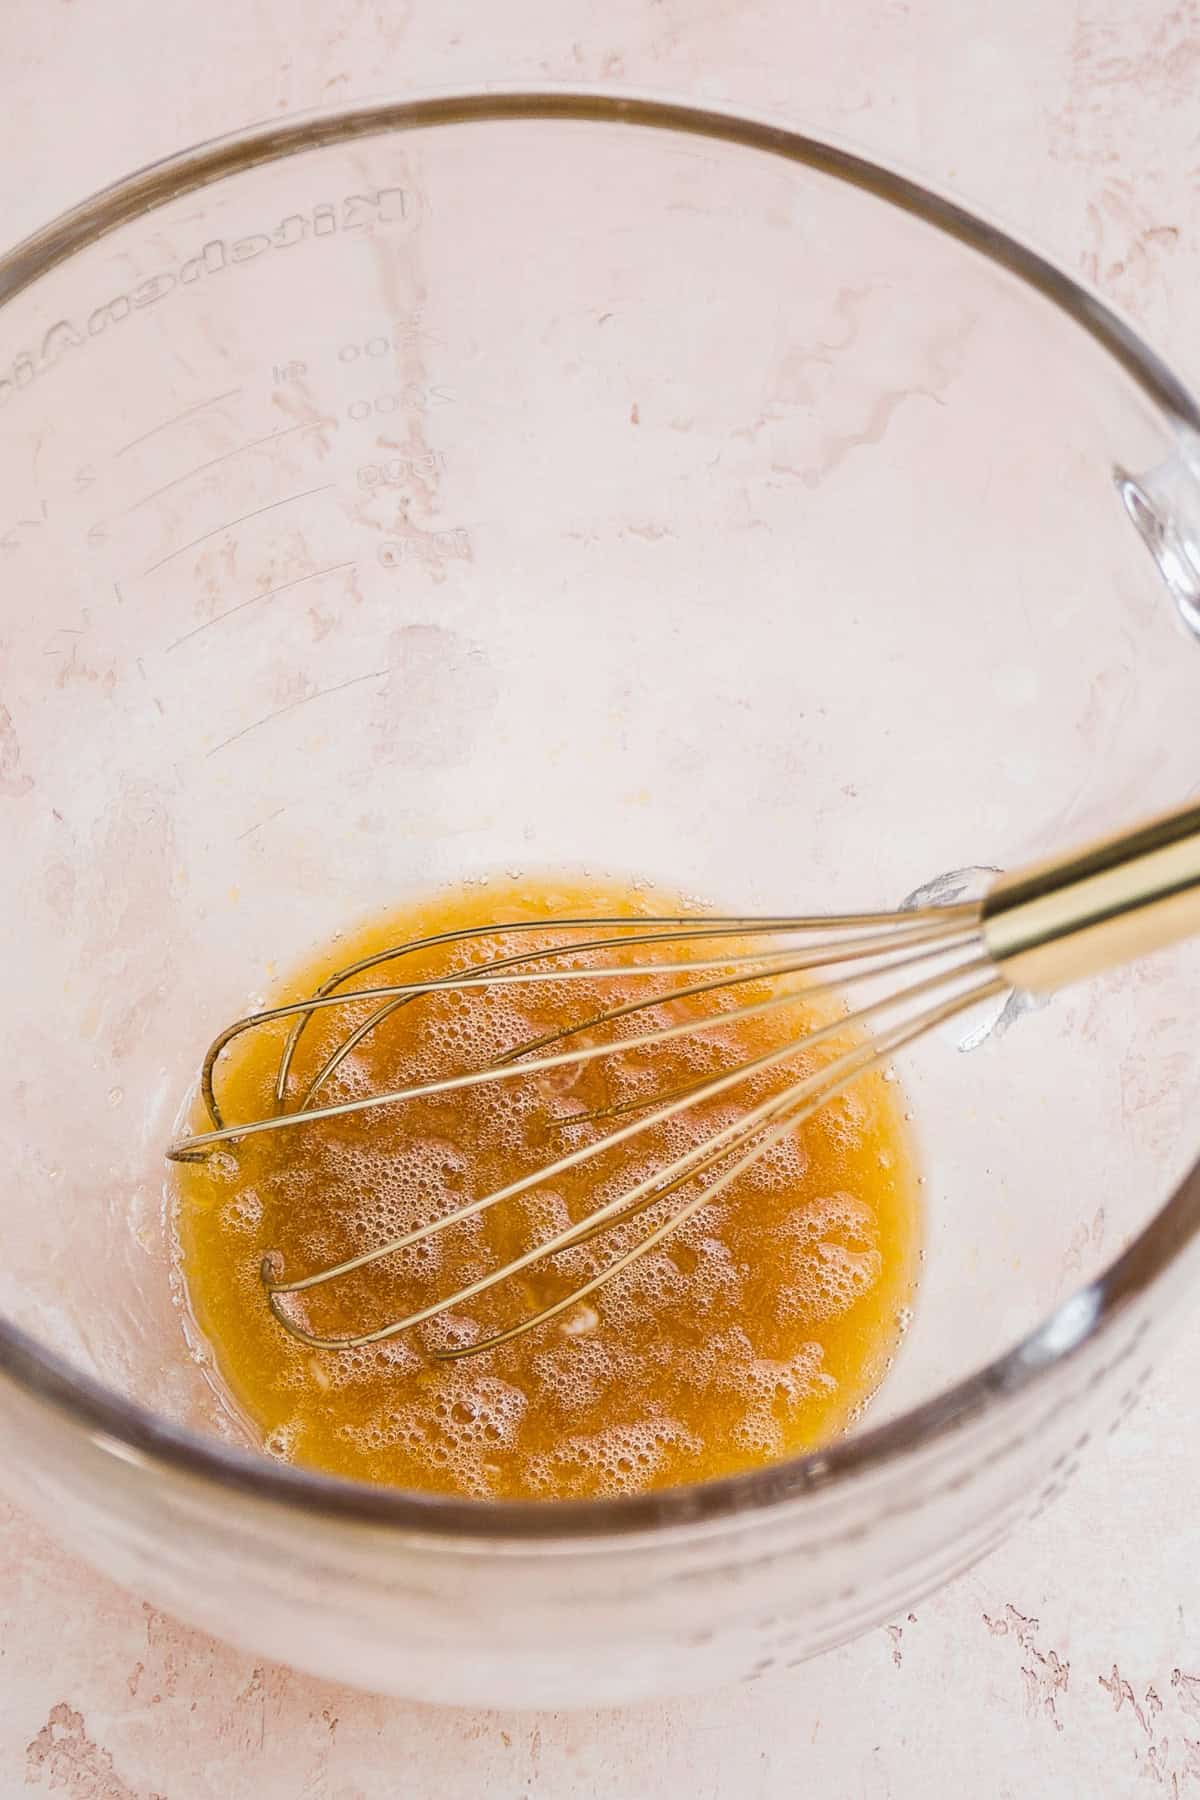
[1107,904]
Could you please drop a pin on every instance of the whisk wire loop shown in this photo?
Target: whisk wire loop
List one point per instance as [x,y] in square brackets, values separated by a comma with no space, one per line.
[827,955]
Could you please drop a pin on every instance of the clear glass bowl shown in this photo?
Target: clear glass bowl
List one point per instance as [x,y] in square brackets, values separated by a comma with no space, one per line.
[557,479]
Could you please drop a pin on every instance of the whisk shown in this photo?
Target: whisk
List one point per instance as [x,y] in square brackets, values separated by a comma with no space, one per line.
[1037,930]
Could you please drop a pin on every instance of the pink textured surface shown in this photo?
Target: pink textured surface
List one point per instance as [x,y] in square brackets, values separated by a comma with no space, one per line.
[1070,1662]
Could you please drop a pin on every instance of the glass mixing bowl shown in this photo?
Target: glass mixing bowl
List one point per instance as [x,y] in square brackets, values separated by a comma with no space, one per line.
[555,479]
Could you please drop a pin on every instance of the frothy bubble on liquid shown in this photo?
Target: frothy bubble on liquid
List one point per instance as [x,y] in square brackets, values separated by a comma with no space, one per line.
[454,1429]
[621,1458]
[281,1442]
[244,1210]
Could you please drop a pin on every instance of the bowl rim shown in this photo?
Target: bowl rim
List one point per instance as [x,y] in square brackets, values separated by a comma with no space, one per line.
[136,1434]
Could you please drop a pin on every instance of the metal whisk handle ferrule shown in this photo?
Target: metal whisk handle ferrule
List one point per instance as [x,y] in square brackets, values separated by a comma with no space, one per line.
[1109,903]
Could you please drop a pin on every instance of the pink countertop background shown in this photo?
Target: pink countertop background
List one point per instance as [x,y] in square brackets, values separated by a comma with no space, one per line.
[1069,1663]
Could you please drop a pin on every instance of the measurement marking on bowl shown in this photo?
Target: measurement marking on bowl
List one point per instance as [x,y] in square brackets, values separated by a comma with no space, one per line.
[231,523]
[271,437]
[292,705]
[267,594]
[176,418]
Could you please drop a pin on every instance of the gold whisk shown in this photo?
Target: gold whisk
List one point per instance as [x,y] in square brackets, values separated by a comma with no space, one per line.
[1039,930]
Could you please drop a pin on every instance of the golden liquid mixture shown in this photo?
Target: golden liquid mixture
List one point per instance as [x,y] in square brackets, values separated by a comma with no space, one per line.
[751,1333]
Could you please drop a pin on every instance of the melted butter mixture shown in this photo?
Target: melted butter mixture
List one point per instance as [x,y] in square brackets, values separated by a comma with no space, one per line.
[753,1332]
